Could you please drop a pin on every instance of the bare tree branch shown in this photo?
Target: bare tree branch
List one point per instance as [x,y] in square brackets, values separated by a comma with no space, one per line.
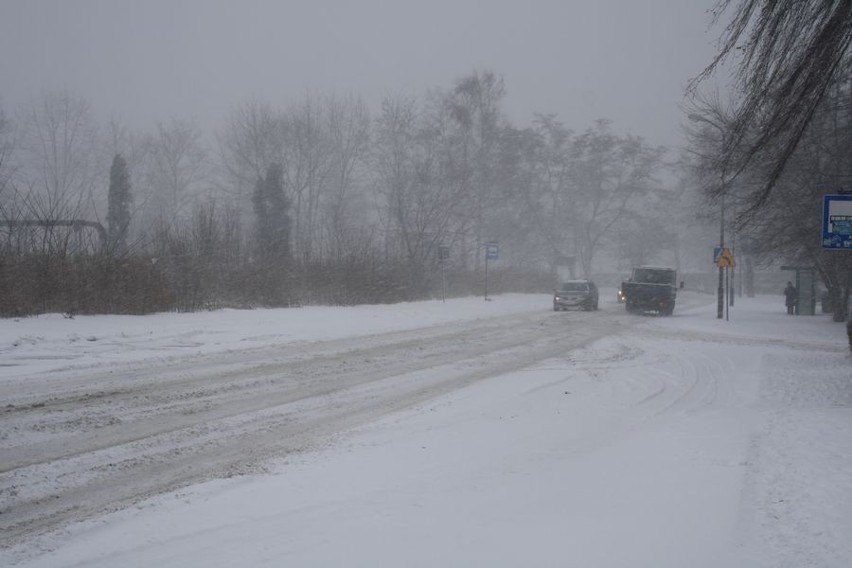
[791,52]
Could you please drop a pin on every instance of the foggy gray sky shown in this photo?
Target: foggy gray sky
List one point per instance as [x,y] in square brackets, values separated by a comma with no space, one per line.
[147,60]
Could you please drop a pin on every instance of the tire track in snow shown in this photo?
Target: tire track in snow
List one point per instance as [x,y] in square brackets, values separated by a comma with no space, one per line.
[276,407]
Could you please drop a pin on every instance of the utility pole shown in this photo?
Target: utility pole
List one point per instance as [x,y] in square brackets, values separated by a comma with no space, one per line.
[720,293]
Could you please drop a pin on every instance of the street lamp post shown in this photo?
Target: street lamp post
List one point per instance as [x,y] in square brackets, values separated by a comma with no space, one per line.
[720,293]
[732,270]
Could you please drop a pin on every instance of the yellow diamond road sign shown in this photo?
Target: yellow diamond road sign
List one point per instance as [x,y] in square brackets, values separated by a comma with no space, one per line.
[726,259]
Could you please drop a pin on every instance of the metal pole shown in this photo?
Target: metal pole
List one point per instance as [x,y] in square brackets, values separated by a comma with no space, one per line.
[720,299]
[728,294]
[443,285]
[720,293]
[486,274]
[732,269]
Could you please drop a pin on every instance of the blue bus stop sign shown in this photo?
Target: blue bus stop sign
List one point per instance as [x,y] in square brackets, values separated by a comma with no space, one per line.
[837,222]
[491,251]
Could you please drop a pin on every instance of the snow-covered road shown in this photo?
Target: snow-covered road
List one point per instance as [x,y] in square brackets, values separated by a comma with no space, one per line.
[628,441]
[83,443]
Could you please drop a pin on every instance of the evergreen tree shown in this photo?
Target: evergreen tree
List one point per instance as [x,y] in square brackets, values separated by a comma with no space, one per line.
[118,217]
[272,209]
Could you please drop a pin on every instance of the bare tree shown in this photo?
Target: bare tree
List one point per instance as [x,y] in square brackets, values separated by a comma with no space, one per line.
[789,225]
[548,202]
[48,205]
[415,165]
[59,161]
[7,145]
[175,169]
[252,141]
[791,52]
[307,166]
[348,131]
[475,106]
[607,174]
[650,230]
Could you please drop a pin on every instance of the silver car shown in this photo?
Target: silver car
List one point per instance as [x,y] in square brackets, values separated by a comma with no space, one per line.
[576,294]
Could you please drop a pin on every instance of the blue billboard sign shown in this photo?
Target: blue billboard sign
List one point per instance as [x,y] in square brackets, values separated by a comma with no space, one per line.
[837,222]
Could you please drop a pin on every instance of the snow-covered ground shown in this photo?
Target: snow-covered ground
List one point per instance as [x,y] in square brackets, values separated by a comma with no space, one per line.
[658,442]
[51,342]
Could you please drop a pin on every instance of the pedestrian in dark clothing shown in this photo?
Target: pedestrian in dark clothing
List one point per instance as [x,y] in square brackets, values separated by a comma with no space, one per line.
[790,297]
[849,331]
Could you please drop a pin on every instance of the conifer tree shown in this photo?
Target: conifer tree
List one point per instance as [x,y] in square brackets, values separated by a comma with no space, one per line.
[119,197]
[272,209]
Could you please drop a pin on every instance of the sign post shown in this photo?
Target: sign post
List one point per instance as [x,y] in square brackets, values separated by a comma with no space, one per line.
[837,235]
[443,255]
[492,252]
[724,258]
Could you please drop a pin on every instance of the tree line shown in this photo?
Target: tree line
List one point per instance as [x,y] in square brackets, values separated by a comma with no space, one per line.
[318,201]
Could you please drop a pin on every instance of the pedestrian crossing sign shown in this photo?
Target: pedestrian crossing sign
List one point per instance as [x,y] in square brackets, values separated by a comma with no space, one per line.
[726,259]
